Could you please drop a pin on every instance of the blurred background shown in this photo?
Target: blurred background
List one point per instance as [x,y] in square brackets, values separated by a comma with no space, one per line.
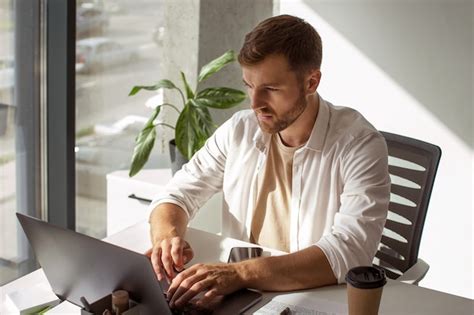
[406,65]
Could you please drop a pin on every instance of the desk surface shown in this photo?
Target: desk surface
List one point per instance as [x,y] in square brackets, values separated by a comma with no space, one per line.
[398,298]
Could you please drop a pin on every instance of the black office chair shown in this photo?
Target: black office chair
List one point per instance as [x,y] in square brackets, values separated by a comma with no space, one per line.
[412,167]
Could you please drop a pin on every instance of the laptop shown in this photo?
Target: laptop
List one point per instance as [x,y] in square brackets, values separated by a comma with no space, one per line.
[78,266]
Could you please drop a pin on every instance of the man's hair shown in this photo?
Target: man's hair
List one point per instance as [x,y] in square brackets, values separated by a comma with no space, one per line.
[287,35]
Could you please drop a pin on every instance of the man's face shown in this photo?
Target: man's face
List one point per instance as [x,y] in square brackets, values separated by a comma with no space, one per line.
[276,94]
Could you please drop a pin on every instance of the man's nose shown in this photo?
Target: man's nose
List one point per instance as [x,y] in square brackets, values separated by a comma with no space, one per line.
[256,100]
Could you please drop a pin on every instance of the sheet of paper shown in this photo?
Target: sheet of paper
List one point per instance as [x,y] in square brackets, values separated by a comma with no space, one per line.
[65,308]
[302,304]
[30,300]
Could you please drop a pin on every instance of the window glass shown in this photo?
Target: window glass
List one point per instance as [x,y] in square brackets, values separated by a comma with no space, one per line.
[118,47]
[15,257]
[8,251]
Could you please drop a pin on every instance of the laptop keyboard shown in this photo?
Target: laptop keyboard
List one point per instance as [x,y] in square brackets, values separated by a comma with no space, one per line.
[190,309]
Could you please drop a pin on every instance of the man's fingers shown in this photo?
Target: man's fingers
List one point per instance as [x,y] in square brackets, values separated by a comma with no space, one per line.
[177,281]
[156,263]
[169,256]
[188,254]
[167,260]
[148,252]
[211,294]
[208,297]
[177,246]
[192,292]
[185,279]
[189,288]
[217,280]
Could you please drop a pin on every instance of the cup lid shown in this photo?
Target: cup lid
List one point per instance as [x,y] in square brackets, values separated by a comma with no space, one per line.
[120,297]
[366,277]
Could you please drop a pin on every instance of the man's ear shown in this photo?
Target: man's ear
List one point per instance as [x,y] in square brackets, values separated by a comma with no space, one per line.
[312,81]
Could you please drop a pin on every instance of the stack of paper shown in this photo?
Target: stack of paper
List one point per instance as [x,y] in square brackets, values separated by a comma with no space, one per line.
[301,304]
[31,300]
[65,308]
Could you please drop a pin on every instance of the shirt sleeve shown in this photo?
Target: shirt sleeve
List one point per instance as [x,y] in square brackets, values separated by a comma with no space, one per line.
[201,177]
[359,223]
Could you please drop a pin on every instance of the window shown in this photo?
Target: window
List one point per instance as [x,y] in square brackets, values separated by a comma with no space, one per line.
[20,135]
[118,46]
[35,111]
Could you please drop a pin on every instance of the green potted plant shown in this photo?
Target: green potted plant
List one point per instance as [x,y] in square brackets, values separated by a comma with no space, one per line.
[194,124]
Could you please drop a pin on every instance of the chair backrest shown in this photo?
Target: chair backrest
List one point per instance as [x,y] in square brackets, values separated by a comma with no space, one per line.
[412,167]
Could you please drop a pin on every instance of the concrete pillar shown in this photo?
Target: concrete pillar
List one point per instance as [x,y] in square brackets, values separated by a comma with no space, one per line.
[179,52]
[223,25]
[197,31]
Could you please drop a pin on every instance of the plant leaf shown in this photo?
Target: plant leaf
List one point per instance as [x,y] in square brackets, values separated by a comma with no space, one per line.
[144,144]
[220,97]
[202,121]
[189,91]
[193,128]
[166,84]
[216,65]
[152,118]
[184,132]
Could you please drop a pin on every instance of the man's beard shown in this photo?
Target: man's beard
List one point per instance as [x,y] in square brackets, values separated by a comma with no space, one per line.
[285,119]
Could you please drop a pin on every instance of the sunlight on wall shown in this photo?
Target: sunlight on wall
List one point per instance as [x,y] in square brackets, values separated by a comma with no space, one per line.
[351,79]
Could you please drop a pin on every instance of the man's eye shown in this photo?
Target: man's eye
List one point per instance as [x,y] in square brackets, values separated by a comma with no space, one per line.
[271,89]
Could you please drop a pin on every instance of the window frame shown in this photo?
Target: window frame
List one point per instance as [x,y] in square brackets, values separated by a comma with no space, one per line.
[61,118]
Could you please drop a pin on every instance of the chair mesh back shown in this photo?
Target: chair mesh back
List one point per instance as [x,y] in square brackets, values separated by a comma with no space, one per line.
[412,168]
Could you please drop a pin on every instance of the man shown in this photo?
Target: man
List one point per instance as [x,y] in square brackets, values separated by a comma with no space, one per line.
[298,174]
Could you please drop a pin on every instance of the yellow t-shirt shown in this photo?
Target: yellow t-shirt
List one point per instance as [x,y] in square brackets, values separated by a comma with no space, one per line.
[271,218]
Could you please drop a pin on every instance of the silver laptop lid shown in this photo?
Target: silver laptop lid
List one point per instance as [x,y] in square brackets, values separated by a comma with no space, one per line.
[77,265]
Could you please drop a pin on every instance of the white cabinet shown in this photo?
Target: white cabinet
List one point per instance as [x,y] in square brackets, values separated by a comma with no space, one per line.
[124,207]
[128,200]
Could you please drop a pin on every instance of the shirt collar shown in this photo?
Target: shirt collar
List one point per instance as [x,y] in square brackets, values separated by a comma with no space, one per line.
[320,127]
[318,134]
[261,139]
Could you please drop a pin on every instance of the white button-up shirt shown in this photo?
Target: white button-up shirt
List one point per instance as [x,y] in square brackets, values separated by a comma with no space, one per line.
[340,184]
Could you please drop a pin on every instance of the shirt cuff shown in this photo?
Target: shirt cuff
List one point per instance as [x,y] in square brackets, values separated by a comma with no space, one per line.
[159,201]
[339,270]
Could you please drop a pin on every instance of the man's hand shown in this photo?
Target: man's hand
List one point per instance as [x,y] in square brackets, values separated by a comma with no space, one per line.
[304,269]
[170,251]
[169,256]
[214,280]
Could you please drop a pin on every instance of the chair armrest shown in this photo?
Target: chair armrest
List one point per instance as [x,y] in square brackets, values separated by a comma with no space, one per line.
[415,273]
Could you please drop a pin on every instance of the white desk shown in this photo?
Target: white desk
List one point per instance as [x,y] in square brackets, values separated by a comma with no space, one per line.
[124,211]
[398,298]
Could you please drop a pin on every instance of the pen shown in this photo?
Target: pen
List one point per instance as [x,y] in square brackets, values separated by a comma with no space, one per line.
[86,304]
[286,311]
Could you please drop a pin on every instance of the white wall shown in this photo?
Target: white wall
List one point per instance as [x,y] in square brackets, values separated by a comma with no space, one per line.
[408,67]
